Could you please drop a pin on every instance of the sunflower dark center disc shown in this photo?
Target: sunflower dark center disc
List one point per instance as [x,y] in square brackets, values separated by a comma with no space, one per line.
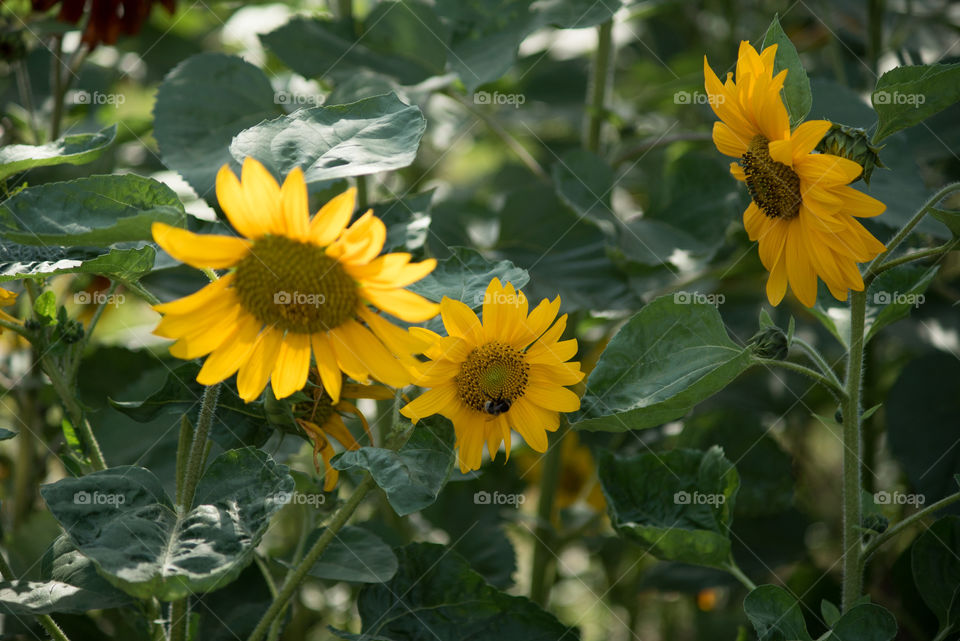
[492,372]
[775,187]
[294,286]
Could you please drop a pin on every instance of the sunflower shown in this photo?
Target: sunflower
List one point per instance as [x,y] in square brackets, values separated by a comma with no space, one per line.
[297,285]
[107,18]
[802,211]
[507,372]
[320,418]
[8,298]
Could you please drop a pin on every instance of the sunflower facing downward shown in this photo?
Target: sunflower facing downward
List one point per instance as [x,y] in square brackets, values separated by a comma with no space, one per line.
[296,286]
[803,213]
[507,372]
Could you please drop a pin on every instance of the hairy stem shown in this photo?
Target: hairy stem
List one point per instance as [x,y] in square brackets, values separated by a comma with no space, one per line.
[832,385]
[852,508]
[541,575]
[599,80]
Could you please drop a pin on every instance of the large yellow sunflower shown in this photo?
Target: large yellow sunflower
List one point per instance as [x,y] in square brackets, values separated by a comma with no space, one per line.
[803,213]
[507,372]
[296,285]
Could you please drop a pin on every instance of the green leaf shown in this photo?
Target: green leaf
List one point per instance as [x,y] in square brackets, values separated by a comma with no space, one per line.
[356,554]
[949,218]
[925,394]
[775,614]
[678,505]
[73,586]
[671,355]
[865,622]
[830,612]
[449,599]
[233,612]
[201,105]
[584,181]
[465,275]
[894,293]
[121,519]
[796,88]
[364,137]
[75,149]
[6,434]
[936,569]
[403,40]
[45,307]
[407,220]
[237,423]
[95,211]
[906,96]
[25,261]
[413,476]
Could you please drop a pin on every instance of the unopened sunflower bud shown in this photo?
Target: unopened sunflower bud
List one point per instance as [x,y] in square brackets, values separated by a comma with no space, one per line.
[770,342]
[875,522]
[853,144]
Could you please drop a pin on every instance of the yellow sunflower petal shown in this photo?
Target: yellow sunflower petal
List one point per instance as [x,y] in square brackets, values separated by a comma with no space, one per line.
[326,359]
[198,300]
[256,371]
[433,401]
[332,218]
[552,397]
[857,203]
[296,210]
[374,357]
[460,319]
[200,250]
[262,195]
[224,361]
[525,421]
[401,303]
[292,366]
[808,135]
[231,198]
[777,282]
[400,341]
[205,337]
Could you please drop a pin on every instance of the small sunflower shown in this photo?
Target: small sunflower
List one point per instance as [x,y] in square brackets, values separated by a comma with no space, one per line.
[7,298]
[320,418]
[803,213]
[507,372]
[297,286]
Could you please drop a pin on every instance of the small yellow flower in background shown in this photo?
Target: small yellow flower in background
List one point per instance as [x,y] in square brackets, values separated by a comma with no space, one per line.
[7,298]
[578,474]
[297,286]
[803,213]
[319,417]
[508,371]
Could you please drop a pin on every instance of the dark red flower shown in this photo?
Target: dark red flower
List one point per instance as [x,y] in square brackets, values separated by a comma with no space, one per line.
[108,18]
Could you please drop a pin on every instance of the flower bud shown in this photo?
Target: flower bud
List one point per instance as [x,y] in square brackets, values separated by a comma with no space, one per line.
[770,342]
[853,144]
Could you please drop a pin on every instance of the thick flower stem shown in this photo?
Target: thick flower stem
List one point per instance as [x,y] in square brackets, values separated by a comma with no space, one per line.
[298,574]
[541,575]
[186,487]
[68,397]
[828,383]
[852,508]
[596,109]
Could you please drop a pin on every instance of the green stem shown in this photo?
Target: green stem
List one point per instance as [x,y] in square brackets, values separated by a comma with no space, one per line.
[852,508]
[896,529]
[299,573]
[871,269]
[26,97]
[917,255]
[345,10]
[875,10]
[75,412]
[56,82]
[817,359]
[45,619]
[944,632]
[832,386]
[15,327]
[541,576]
[362,197]
[599,78]
[738,574]
[88,333]
[186,487]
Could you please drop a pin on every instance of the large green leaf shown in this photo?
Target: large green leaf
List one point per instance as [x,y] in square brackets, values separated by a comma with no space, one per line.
[436,595]
[865,622]
[95,211]
[925,394]
[678,505]
[123,521]
[201,105]
[29,261]
[584,181]
[356,554]
[413,476]
[364,137]
[73,586]
[775,614]
[465,275]
[796,88]
[671,355]
[936,569]
[403,40]
[906,96]
[75,149]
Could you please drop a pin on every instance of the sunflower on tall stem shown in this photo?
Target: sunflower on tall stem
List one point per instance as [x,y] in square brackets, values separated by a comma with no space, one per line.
[803,215]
